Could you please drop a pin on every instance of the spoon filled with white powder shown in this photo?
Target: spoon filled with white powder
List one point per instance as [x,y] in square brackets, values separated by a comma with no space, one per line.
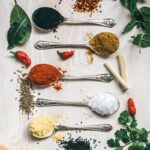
[104,104]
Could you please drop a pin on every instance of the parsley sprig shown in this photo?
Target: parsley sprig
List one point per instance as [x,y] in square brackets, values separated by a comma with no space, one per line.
[130,135]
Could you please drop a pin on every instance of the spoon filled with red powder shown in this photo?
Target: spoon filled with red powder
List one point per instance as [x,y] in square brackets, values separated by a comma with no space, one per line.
[46,75]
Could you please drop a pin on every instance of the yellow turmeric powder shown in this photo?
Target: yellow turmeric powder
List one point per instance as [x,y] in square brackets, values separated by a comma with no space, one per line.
[105,43]
[42,125]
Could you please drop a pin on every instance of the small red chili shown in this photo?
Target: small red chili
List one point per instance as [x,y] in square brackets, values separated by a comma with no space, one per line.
[66,54]
[23,57]
[131,106]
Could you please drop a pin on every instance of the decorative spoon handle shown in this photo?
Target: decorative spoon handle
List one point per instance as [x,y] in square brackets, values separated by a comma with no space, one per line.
[42,45]
[107,22]
[99,77]
[97,127]
[41,102]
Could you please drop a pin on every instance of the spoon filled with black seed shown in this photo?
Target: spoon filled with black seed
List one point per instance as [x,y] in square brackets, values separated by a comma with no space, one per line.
[47,19]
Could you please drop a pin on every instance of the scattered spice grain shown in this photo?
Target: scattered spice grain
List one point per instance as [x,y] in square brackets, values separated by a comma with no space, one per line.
[90,57]
[26,103]
[57,86]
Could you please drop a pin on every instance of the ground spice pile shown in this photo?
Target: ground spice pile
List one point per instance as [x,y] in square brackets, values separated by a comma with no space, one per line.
[26,103]
[87,5]
[76,144]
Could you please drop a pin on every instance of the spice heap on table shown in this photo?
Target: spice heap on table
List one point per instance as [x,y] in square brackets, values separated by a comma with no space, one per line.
[87,5]
[26,99]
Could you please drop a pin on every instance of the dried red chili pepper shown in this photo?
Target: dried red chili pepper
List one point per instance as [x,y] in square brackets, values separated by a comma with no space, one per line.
[131,107]
[23,57]
[66,54]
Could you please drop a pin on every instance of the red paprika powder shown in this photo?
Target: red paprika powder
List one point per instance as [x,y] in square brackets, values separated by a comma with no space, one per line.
[44,74]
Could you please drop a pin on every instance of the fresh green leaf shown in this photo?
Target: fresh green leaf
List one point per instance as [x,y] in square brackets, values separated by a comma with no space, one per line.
[20,27]
[145,11]
[143,135]
[142,40]
[134,134]
[130,4]
[125,118]
[147,146]
[137,146]
[113,143]
[130,26]
[121,133]
[145,25]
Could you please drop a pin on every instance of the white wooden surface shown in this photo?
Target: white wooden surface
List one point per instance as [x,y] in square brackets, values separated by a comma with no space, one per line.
[13,125]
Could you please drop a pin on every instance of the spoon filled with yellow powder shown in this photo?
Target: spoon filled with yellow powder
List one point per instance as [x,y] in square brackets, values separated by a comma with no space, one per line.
[45,126]
[103,44]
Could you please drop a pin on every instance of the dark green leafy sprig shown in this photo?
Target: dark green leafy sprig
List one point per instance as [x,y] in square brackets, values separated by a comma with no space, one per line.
[140,18]
[129,136]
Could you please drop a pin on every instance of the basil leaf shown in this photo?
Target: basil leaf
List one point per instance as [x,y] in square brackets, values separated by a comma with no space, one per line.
[142,40]
[145,25]
[20,27]
[130,26]
[130,4]
[145,11]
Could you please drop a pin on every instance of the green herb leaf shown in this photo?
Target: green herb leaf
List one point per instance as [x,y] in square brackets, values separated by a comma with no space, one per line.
[113,143]
[130,4]
[145,11]
[125,118]
[142,40]
[147,146]
[143,135]
[137,146]
[145,25]
[130,26]
[20,29]
[122,135]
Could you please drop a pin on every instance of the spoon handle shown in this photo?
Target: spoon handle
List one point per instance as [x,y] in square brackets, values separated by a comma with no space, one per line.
[41,102]
[41,45]
[99,77]
[97,127]
[107,22]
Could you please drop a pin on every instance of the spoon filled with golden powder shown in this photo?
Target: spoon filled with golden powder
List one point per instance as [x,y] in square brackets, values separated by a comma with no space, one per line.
[45,126]
[103,44]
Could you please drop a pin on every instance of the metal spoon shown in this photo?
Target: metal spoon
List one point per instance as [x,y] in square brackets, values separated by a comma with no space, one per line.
[45,45]
[99,77]
[97,127]
[47,19]
[48,102]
